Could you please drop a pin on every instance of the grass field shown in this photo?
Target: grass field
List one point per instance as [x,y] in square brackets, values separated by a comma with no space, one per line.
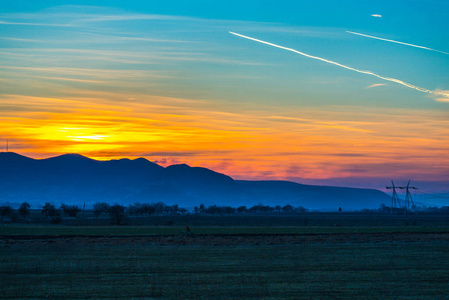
[310,219]
[94,270]
[165,230]
[224,262]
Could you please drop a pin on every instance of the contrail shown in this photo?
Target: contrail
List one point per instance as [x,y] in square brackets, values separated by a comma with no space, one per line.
[444,94]
[397,42]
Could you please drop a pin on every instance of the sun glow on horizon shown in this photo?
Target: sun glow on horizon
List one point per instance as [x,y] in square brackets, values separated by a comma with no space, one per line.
[277,145]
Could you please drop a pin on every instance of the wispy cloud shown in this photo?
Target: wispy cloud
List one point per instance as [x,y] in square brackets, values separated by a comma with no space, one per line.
[88,74]
[21,40]
[101,38]
[33,24]
[443,99]
[436,93]
[397,42]
[376,85]
[125,57]
[345,126]
[74,15]
[132,17]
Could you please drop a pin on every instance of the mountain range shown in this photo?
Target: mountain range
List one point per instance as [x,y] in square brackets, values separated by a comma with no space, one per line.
[75,179]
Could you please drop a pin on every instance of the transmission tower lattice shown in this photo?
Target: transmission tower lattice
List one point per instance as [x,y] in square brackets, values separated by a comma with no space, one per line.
[395,202]
[408,202]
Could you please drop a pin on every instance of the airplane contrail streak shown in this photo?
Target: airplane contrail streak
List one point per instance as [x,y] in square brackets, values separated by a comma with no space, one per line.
[397,42]
[444,94]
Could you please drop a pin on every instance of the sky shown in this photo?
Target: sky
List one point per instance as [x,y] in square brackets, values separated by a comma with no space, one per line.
[166,80]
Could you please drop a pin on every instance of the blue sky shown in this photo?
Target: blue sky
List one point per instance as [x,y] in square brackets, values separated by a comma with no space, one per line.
[147,78]
[315,27]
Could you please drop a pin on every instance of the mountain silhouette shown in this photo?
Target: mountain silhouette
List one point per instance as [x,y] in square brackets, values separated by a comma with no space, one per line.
[76,179]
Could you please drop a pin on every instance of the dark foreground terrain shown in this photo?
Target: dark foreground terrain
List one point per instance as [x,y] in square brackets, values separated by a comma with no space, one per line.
[241,263]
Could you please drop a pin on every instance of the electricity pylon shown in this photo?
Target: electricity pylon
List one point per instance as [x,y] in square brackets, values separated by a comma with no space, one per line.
[408,202]
[408,198]
[395,202]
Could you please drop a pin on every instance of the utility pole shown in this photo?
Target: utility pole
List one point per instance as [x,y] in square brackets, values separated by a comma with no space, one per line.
[7,145]
[394,197]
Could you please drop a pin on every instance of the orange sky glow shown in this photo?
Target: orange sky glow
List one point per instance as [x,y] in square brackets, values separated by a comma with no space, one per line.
[268,144]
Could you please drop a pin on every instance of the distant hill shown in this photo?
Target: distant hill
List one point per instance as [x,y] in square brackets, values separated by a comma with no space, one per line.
[75,179]
[314,196]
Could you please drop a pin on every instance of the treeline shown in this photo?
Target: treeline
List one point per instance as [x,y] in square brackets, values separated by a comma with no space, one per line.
[259,208]
[118,212]
[160,208]
[403,210]
[55,215]
[49,210]
[8,211]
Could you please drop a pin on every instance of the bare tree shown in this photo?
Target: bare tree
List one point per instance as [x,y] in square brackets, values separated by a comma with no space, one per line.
[70,210]
[117,213]
[301,209]
[159,207]
[50,211]
[6,211]
[242,209]
[287,208]
[100,208]
[24,209]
